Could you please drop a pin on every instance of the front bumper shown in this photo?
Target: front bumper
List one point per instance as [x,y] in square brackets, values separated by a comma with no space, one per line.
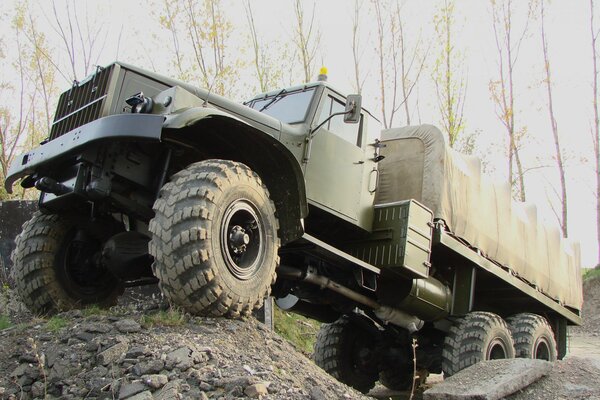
[129,127]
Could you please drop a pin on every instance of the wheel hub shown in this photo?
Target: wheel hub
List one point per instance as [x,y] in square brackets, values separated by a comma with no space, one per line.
[238,239]
[242,239]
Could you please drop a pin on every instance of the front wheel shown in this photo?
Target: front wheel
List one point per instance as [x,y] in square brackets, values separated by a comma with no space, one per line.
[214,239]
[57,263]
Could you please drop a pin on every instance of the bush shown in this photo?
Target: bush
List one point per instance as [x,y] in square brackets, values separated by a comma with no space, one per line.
[299,330]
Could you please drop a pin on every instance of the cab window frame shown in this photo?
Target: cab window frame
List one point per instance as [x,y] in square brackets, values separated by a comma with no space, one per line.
[328,99]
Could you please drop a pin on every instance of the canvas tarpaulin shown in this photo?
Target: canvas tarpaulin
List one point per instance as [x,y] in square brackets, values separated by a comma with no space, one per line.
[419,165]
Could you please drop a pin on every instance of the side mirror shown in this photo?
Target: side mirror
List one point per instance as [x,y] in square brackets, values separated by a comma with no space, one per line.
[352,112]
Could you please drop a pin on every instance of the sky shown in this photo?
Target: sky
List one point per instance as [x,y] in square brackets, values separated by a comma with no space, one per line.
[132,36]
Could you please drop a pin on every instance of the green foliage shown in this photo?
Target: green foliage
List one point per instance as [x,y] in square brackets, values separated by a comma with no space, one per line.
[591,273]
[299,330]
[170,317]
[55,324]
[4,322]
[94,310]
[448,75]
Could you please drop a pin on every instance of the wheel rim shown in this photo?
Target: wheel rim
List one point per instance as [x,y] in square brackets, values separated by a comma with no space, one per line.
[79,267]
[496,350]
[242,239]
[541,350]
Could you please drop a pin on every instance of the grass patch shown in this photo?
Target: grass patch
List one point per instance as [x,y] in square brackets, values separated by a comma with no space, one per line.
[55,324]
[591,273]
[171,317]
[94,310]
[4,322]
[299,330]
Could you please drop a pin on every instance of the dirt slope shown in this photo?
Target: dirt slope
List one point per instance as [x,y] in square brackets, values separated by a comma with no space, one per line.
[132,353]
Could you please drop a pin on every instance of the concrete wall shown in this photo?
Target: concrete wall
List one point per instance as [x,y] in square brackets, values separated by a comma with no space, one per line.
[13,214]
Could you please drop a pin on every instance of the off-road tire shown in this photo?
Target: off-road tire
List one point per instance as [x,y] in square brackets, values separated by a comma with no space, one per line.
[476,337]
[397,380]
[336,350]
[190,243]
[533,337]
[43,278]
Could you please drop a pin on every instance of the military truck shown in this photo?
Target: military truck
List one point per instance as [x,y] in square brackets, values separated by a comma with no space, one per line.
[386,237]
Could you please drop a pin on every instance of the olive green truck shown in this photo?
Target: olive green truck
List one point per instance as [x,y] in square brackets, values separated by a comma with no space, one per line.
[386,237]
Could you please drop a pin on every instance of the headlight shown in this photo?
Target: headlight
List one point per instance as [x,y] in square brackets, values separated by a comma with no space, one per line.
[140,104]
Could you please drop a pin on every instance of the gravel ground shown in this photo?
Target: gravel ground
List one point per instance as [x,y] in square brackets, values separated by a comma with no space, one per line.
[136,351]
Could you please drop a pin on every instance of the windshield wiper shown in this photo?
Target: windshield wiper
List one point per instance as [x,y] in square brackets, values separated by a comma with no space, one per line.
[275,98]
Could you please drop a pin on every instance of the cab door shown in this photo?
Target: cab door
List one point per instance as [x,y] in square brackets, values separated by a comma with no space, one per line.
[337,166]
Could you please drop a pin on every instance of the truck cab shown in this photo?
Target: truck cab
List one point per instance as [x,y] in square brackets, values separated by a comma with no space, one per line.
[338,158]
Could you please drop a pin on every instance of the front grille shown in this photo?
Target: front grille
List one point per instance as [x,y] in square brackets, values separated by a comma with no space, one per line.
[82,103]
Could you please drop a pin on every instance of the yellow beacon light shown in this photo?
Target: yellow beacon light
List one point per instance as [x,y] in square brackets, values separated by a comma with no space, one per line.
[322,74]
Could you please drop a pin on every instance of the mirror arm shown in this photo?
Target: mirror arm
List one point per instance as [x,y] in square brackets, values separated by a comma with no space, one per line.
[315,129]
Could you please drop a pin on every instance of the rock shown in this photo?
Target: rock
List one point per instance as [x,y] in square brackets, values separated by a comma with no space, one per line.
[19,371]
[233,381]
[113,353]
[130,389]
[51,356]
[136,351]
[155,381]
[146,395]
[203,396]
[257,390]
[96,327]
[85,336]
[489,380]
[38,389]
[60,371]
[148,367]
[28,358]
[182,358]
[170,391]
[127,326]
[317,394]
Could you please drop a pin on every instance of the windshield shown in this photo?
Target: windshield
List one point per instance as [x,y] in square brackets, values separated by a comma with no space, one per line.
[290,108]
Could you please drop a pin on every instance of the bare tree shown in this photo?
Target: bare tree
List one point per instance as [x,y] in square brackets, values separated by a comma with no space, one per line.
[596,124]
[562,219]
[44,69]
[27,121]
[359,79]
[400,64]
[207,31]
[82,36]
[268,72]
[502,89]
[307,38]
[449,80]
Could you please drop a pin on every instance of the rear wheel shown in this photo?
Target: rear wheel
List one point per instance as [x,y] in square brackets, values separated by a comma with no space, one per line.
[214,239]
[342,349]
[57,263]
[533,337]
[478,336]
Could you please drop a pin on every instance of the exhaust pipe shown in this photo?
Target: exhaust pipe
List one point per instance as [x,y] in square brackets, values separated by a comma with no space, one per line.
[386,313]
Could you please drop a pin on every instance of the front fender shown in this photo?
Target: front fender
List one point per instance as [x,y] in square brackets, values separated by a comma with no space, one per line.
[222,135]
[192,116]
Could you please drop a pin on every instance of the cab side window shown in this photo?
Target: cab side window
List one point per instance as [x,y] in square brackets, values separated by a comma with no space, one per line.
[336,125]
